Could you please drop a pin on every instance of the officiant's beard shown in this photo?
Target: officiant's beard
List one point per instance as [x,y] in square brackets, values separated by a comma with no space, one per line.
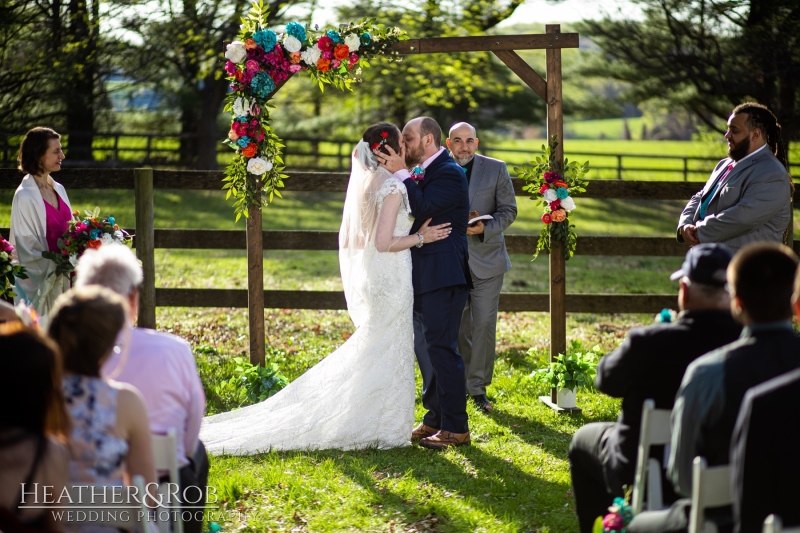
[414,154]
[738,149]
[463,161]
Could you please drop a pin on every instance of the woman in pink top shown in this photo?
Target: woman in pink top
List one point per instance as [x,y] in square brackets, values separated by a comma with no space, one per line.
[40,212]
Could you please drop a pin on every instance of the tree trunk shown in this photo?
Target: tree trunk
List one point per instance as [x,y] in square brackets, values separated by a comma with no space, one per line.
[79,84]
[208,138]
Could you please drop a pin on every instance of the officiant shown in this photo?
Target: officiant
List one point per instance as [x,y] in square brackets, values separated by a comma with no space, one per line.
[40,214]
[490,193]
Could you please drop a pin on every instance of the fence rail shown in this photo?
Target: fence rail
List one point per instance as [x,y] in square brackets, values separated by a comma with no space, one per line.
[129,150]
[328,240]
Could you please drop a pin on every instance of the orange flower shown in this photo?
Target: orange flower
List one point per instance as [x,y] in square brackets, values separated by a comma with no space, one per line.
[559,215]
[250,150]
[250,44]
[295,57]
[324,65]
[341,52]
[560,183]
[94,244]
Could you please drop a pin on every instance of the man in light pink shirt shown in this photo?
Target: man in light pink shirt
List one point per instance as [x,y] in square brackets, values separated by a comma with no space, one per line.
[160,365]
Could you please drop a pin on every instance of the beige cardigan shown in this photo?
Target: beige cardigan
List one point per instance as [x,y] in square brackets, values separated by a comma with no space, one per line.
[29,239]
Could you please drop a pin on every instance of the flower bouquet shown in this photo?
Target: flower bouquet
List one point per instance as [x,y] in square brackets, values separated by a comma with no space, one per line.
[91,232]
[618,517]
[8,272]
[555,185]
[260,60]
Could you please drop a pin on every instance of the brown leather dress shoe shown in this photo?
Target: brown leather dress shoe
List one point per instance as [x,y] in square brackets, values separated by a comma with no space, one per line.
[445,439]
[422,431]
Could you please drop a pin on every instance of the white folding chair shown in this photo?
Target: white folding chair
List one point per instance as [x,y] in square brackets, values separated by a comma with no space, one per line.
[102,505]
[165,457]
[773,524]
[711,487]
[655,431]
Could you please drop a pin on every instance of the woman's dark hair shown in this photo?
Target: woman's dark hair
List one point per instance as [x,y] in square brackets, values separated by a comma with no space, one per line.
[31,391]
[85,323]
[33,147]
[373,137]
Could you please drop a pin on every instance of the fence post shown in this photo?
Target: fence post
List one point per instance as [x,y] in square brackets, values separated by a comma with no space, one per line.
[145,245]
[619,167]
[685,169]
[255,279]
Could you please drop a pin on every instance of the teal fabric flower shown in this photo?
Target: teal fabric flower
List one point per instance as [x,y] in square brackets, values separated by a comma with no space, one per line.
[562,193]
[334,36]
[262,84]
[266,39]
[366,40]
[243,141]
[296,30]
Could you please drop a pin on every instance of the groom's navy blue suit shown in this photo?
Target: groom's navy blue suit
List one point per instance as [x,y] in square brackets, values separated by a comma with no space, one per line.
[441,280]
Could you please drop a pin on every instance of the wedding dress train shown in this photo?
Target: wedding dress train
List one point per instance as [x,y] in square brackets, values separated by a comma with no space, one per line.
[362,394]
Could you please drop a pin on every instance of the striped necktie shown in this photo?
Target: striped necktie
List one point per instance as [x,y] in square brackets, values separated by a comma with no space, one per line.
[707,200]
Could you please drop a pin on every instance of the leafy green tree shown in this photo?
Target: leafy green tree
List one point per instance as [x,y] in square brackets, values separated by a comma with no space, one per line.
[706,56]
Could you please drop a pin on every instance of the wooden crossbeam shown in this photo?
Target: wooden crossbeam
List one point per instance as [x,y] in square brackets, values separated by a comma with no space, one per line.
[525,72]
[490,43]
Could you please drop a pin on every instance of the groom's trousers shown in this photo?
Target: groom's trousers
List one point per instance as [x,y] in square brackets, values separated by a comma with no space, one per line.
[437,318]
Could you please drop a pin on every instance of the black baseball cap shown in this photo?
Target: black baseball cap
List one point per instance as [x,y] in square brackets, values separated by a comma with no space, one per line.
[706,264]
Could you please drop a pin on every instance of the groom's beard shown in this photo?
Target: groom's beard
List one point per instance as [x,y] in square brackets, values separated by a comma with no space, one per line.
[414,155]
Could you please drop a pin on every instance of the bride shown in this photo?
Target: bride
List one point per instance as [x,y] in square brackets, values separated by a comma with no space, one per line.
[361,395]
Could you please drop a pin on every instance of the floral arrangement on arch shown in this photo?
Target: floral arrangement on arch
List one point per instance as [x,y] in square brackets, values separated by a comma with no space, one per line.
[8,271]
[554,184]
[92,231]
[259,62]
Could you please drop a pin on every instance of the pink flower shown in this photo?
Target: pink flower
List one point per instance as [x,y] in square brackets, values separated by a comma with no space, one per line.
[547,218]
[255,110]
[354,58]
[543,188]
[295,68]
[551,177]
[230,68]
[327,54]
[251,65]
[613,522]
[555,204]
[335,63]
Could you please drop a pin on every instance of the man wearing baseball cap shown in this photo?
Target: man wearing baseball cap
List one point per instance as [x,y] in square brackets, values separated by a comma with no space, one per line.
[650,364]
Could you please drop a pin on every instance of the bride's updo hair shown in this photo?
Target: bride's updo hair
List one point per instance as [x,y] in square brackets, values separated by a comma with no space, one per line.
[374,138]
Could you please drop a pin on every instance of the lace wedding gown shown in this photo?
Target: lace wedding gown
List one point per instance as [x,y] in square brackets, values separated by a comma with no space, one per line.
[362,394]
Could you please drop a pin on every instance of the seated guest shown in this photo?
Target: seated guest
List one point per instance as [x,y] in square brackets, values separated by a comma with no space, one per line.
[649,364]
[110,437]
[160,365]
[764,453]
[761,278]
[33,425]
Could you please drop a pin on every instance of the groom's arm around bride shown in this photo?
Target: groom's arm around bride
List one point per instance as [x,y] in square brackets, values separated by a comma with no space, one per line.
[440,277]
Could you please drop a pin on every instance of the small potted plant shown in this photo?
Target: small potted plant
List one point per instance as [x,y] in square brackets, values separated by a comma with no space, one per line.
[568,373]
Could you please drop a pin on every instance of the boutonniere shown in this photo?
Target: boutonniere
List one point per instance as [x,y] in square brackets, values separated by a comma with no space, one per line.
[417,173]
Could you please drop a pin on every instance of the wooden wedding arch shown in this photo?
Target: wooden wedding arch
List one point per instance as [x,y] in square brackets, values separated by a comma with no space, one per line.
[548,89]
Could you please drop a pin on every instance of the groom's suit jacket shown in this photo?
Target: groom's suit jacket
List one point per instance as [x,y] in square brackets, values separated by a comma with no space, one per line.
[752,203]
[490,193]
[441,195]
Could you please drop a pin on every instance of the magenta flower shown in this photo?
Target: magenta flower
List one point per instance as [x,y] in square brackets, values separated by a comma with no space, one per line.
[230,68]
[613,522]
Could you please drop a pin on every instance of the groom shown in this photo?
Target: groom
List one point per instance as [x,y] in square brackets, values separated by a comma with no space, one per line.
[437,189]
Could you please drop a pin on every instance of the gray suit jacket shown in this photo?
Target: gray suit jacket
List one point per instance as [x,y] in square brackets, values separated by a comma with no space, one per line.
[490,193]
[751,205]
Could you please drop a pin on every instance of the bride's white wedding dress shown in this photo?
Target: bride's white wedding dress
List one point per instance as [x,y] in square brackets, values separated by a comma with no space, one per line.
[362,394]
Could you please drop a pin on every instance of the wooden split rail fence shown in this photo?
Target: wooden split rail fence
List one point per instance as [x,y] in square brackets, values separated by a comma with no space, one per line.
[137,179]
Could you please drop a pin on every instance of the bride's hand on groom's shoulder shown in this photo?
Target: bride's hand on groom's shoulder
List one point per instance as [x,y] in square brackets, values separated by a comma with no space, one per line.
[392,162]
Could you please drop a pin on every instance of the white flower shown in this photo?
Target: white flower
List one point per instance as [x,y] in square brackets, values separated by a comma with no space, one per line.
[119,236]
[568,204]
[292,44]
[352,41]
[236,52]
[550,195]
[241,107]
[107,238]
[311,55]
[73,259]
[258,166]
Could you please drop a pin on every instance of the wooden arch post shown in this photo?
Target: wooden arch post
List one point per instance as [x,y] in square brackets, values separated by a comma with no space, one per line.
[549,90]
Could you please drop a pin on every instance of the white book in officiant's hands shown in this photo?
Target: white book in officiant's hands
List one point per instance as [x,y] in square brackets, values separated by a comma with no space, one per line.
[476,219]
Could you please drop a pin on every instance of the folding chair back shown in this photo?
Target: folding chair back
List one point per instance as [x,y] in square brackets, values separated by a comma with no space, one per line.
[655,431]
[165,457]
[773,524]
[107,505]
[711,487]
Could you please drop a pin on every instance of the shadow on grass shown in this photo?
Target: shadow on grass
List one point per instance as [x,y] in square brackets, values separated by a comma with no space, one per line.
[460,491]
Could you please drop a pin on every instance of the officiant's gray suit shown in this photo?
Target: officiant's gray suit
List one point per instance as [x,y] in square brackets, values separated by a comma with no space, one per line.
[751,204]
[491,192]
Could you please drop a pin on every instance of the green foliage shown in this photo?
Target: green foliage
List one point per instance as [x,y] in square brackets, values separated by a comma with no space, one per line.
[250,383]
[546,175]
[572,371]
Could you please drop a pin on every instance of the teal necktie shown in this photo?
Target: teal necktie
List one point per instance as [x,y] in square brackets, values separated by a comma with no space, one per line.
[704,204]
